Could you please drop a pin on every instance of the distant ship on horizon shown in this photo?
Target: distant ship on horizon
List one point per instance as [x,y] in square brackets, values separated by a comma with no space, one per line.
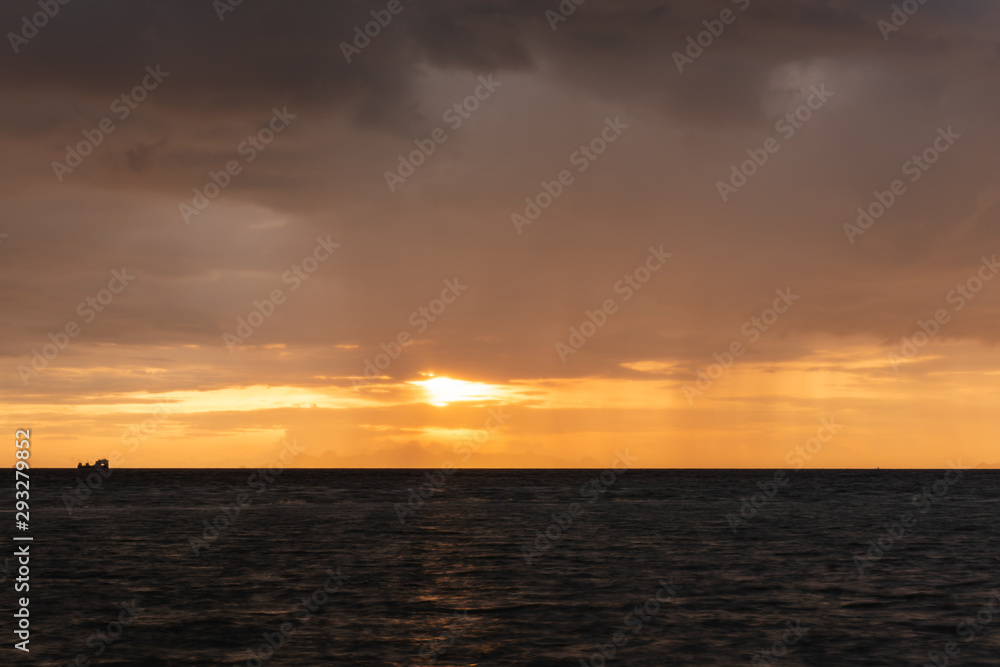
[101,464]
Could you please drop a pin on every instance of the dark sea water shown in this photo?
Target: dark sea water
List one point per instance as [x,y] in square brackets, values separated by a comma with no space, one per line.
[783,588]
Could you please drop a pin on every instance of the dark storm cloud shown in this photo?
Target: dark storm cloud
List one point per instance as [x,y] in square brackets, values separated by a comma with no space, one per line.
[263,51]
[259,52]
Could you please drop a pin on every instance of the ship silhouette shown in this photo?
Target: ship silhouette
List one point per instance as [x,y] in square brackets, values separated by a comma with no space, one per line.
[101,464]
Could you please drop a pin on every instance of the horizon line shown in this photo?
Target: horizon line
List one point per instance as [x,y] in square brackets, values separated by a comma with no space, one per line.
[981,466]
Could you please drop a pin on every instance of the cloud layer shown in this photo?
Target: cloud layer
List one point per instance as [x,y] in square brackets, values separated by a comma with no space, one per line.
[893,93]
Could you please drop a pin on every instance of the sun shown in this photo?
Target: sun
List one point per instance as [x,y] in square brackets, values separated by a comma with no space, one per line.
[443,390]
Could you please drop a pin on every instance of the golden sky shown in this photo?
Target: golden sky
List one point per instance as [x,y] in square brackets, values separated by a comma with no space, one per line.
[487,243]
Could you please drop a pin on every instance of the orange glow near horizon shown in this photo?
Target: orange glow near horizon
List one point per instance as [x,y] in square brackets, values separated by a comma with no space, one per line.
[752,416]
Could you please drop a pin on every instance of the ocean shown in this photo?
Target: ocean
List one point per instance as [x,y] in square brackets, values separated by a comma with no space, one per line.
[508,567]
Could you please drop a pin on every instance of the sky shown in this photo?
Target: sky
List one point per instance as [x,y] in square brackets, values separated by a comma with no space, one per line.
[501,233]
